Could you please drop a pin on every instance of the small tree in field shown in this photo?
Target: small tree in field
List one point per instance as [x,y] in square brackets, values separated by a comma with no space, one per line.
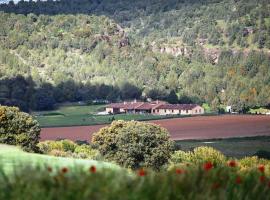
[134,144]
[18,128]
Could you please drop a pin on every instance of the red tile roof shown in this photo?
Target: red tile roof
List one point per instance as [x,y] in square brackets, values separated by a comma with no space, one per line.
[146,106]
[151,105]
[126,105]
[177,106]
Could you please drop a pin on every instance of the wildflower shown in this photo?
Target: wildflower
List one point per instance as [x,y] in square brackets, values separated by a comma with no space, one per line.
[232,163]
[179,171]
[262,179]
[92,169]
[261,168]
[64,170]
[269,184]
[208,166]
[238,180]
[49,169]
[141,172]
[215,185]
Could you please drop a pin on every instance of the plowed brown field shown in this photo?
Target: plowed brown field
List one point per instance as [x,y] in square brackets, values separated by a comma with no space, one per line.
[202,127]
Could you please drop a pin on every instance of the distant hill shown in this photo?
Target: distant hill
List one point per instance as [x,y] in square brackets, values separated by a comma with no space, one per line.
[213,51]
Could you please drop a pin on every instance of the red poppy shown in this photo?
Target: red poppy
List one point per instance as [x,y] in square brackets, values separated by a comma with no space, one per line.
[269,184]
[261,168]
[232,163]
[179,171]
[49,169]
[142,172]
[215,185]
[93,169]
[262,179]
[64,170]
[238,180]
[208,166]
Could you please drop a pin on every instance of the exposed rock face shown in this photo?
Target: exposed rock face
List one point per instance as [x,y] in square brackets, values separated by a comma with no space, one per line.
[123,40]
[212,54]
[175,51]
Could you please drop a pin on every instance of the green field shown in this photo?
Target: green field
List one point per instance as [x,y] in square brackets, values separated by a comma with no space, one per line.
[231,147]
[85,115]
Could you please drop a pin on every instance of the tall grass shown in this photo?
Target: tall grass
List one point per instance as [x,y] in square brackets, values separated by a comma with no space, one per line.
[186,182]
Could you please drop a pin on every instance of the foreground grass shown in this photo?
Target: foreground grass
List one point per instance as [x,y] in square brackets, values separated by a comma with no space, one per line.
[12,157]
[183,182]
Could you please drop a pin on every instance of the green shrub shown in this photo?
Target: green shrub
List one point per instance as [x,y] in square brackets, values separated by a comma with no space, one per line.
[134,144]
[199,155]
[18,128]
[181,157]
[69,145]
[251,162]
[85,151]
[68,148]
[205,154]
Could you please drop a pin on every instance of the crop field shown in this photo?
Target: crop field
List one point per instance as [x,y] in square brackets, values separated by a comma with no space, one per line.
[234,135]
[84,115]
[190,128]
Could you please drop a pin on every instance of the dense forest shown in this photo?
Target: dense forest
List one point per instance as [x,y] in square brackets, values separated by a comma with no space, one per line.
[205,51]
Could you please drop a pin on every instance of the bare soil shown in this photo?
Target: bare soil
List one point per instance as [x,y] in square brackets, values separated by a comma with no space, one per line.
[201,127]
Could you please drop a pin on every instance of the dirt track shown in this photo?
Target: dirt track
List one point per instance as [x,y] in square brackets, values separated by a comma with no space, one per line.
[182,128]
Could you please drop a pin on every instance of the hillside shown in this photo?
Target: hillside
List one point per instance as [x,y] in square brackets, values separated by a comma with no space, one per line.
[214,51]
[11,157]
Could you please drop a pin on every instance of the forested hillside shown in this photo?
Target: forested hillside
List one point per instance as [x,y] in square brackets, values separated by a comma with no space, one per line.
[213,51]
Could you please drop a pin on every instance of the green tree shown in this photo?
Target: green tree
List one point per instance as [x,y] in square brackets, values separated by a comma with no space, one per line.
[172,97]
[18,128]
[134,144]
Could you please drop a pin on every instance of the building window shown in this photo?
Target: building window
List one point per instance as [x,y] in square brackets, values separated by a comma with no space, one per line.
[195,111]
[172,111]
[165,110]
[186,111]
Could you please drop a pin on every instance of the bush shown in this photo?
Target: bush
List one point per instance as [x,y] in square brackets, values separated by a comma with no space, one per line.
[134,144]
[84,151]
[67,148]
[62,145]
[205,154]
[18,128]
[181,157]
[251,162]
[198,156]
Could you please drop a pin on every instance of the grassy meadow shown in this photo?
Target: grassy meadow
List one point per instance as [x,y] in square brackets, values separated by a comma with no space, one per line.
[12,157]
